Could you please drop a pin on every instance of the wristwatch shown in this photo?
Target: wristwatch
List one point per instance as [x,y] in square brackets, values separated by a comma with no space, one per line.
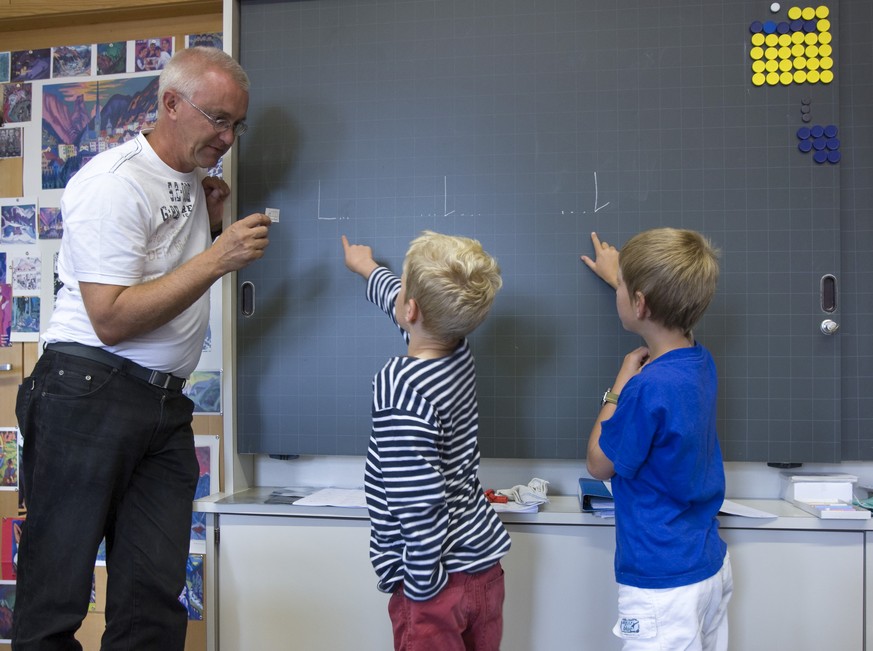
[609,396]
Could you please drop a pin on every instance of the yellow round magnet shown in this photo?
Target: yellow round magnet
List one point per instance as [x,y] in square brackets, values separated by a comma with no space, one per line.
[827,76]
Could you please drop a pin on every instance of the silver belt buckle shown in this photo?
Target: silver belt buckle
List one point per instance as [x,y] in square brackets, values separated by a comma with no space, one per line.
[162,382]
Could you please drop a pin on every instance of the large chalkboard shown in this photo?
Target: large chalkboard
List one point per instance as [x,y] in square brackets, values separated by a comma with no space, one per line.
[527,125]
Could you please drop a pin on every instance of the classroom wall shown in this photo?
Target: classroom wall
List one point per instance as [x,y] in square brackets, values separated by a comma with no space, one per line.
[27,24]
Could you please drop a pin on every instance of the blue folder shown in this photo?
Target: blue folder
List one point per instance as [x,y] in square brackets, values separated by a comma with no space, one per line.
[593,495]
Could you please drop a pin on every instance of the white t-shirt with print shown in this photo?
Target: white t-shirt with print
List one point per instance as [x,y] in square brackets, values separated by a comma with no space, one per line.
[130,218]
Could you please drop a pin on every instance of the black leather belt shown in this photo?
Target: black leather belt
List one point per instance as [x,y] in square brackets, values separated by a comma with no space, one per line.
[156,378]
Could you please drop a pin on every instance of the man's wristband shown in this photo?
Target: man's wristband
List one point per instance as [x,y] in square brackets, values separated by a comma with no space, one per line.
[609,396]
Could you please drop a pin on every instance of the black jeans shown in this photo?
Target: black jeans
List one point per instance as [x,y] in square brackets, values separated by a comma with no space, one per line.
[105,454]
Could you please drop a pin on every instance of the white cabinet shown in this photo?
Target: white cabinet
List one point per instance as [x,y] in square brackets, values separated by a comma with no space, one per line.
[298,584]
[296,578]
[796,590]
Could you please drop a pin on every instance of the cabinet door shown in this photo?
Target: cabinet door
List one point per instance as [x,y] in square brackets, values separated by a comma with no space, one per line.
[796,590]
[298,583]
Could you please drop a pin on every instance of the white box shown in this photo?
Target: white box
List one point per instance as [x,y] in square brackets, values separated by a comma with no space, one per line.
[825,495]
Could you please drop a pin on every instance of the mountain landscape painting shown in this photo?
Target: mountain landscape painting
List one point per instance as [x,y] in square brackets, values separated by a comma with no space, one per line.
[81,119]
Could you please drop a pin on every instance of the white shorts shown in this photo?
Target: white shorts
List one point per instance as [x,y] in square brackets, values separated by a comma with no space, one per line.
[689,618]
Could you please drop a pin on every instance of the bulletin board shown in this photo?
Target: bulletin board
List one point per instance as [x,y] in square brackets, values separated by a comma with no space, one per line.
[528,126]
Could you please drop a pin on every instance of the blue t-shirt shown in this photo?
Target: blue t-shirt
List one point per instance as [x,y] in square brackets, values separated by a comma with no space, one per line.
[669,475]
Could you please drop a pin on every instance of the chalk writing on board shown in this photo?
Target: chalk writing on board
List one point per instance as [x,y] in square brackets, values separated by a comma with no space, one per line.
[596,195]
[446,212]
[597,205]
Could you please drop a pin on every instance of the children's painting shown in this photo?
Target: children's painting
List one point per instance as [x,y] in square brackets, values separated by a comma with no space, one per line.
[192,594]
[9,458]
[18,223]
[10,142]
[213,39]
[7,607]
[204,389]
[112,58]
[10,535]
[51,225]
[17,102]
[5,314]
[25,318]
[26,274]
[81,119]
[153,53]
[206,448]
[4,67]
[30,65]
[71,61]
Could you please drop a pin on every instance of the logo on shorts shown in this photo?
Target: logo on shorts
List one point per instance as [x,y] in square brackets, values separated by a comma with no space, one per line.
[630,626]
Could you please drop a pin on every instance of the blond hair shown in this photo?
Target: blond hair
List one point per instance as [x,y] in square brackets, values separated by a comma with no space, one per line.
[677,272]
[453,281]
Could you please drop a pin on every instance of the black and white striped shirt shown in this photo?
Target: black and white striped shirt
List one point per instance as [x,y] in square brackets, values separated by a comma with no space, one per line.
[428,513]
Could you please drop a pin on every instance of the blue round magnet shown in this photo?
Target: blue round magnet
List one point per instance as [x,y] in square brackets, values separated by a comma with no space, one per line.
[810,26]
[834,156]
[803,133]
[783,27]
[830,130]
[770,27]
[820,156]
[796,25]
[756,27]
[819,143]
[817,131]
[833,144]
[805,146]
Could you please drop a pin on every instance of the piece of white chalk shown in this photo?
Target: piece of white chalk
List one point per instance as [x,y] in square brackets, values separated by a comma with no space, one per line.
[273,214]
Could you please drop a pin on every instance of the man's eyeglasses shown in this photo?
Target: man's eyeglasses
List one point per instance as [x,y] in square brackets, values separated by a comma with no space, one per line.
[220,124]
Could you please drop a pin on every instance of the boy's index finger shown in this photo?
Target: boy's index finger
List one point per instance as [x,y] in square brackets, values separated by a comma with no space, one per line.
[345,243]
[595,240]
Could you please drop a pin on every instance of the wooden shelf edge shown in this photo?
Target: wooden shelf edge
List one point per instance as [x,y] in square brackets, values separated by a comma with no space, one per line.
[17,23]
